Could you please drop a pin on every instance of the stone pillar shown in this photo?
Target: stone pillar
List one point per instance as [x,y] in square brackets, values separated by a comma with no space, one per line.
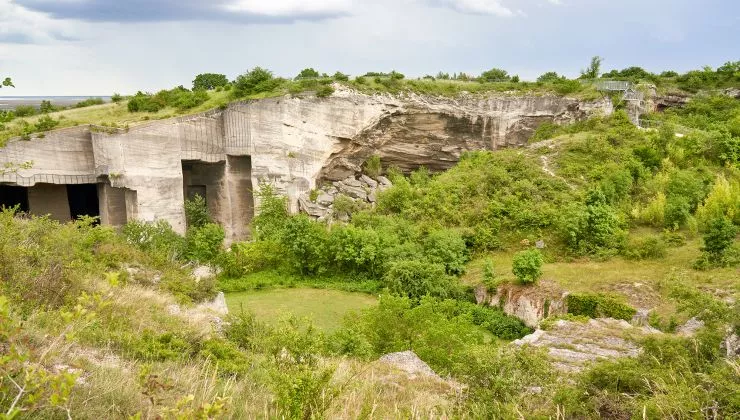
[49,199]
[240,196]
[112,205]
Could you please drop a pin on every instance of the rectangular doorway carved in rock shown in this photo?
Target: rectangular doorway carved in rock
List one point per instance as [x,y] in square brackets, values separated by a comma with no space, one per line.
[83,200]
[12,196]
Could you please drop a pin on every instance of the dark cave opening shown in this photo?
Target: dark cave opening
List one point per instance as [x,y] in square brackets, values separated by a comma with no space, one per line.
[83,200]
[11,196]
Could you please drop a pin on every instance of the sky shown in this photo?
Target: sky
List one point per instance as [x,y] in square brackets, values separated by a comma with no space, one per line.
[97,47]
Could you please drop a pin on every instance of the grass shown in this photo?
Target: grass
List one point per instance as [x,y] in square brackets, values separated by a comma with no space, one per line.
[326,308]
[640,282]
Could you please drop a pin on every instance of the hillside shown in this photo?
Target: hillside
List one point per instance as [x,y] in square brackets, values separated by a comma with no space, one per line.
[590,273]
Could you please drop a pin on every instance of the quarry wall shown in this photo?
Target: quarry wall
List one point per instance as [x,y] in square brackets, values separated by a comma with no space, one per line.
[147,171]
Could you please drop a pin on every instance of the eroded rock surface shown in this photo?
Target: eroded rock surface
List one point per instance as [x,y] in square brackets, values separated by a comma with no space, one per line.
[573,345]
[409,362]
[531,304]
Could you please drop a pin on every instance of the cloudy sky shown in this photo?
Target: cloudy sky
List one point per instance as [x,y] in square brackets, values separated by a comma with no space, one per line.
[97,47]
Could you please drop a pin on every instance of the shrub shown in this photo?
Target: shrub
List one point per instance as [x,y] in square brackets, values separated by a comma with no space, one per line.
[116,98]
[373,167]
[448,248]
[307,74]
[157,239]
[416,279]
[204,243]
[46,123]
[645,248]
[593,228]
[25,111]
[306,244]
[495,75]
[89,102]
[598,306]
[718,239]
[340,77]
[325,91]
[273,213]
[209,81]
[527,266]
[196,212]
[250,257]
[255,81]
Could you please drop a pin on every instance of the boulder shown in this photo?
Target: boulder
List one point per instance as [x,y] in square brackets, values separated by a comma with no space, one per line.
[356,192]
[312,209]
[690,328]
[384,181]
[408,362]
[369,181]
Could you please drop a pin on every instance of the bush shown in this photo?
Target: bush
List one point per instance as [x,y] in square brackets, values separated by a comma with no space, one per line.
[204,243]
[46,123]
[89,102]
[718,238]
[306,244]
[196,212]
[593,228]
[257,80]
[209,81]
[116,98]
[598,306]
[495,75]
[645,248]
[250,257]
[156,239]
[373,167]
[415,279]
[448,248]
[324,91]
[527,266]
[25,111]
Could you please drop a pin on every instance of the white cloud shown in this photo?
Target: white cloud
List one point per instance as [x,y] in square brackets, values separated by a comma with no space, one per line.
[19,25]
[555,2]
[485,7]
[289,7]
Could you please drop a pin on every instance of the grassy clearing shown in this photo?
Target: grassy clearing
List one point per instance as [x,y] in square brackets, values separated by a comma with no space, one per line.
[326,308]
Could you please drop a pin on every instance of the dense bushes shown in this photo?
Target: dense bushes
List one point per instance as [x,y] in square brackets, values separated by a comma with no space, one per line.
[598,306]
[179,98]
[257,80]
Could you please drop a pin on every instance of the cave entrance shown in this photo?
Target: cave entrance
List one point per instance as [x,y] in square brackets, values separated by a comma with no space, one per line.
[11,196]
[83,200]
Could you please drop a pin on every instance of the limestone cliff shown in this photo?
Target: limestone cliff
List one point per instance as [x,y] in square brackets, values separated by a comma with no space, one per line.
[146,172]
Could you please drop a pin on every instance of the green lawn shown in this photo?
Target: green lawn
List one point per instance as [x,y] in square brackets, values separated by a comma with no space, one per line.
[326,308]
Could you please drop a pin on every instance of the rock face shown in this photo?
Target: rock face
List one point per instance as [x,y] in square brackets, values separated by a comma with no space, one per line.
[531,304]
[363,191]
[146,172]
[573,345]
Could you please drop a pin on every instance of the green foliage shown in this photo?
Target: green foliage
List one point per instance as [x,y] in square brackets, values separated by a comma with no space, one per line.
[209,81]
[340,77]
[495,75]
[7,83]
[25,111]
[308,74]
[325,91]
[550,76]
[416,279]
[89,102]
[204,243]
[593,227]
[306,244]
[448,248]
[598,306]
[196,212]
[718,239]
[46,123]
[116,98]
[373,167]
[646,248]
[157,239]
[593,70]
[527,266]
[47,107]
[272,215]
[257,80]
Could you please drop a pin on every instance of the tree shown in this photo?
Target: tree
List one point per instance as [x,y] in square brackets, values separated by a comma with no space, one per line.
[719,237]
[308,73]
[527,266]
[495,75]
[550,76]
[254,81]
[593,70]
[7,83]
[208,81]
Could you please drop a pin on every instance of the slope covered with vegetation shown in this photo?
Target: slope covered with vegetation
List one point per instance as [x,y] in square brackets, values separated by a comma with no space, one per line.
[98,323]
